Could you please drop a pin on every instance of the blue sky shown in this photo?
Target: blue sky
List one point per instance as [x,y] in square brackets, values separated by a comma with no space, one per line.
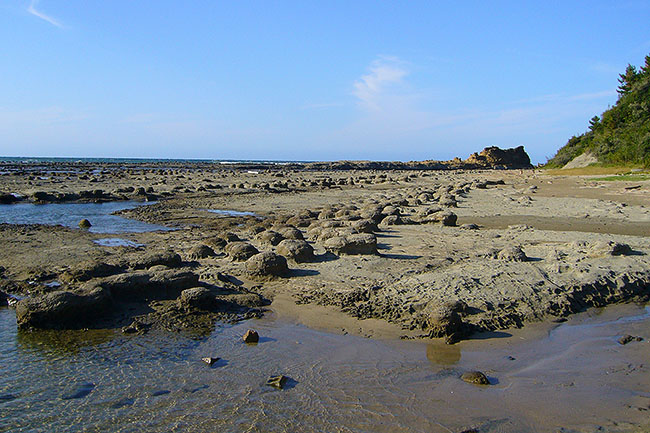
[308,80]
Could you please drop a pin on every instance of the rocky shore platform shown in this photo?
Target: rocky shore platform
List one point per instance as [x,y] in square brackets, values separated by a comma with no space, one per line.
[412,250]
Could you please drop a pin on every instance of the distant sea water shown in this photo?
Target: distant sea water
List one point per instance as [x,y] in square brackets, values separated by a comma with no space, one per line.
[37,160]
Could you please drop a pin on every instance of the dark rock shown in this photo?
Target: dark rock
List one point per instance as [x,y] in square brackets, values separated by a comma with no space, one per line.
[267,264]
[297,250]
[197,297]
[365,226]
[216,242]
[210,360]
[139,285]
[291,233]
[62,309]
[167,258]
[277,381]
[3,299]
[251,336]
[201,251]
[230,237]
[628,339]
[42,197]
[85,224]
[494,157]
[445,321]
[82,391]
[436,215]
[136,327]
[475,377]
[270,237]
[86,270]
[7,198]
[610,248]
[241,251]
[240,300]
[391,220]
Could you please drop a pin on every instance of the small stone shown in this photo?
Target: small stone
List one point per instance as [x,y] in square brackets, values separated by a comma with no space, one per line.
[209,360]
[85,224]
[475,377]
[251,336]
[277,381]
[628,339]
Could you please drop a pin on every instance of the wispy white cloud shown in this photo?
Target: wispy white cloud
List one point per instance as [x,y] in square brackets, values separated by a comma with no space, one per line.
[383,73]
[32,10]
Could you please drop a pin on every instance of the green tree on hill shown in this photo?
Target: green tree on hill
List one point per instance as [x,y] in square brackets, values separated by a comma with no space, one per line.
[621,135]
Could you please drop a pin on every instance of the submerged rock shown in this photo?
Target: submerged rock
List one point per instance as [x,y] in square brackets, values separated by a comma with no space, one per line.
[82,391]
[475,377]
[251,336]
[136,327]
[628,339]
[210,360]
[277,381]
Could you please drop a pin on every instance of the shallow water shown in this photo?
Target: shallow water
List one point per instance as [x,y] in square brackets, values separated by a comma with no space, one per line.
[117,242]
[231,213]
[69,215]
[105,381]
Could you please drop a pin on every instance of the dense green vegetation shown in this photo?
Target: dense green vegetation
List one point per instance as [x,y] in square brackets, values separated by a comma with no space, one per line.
[621,135]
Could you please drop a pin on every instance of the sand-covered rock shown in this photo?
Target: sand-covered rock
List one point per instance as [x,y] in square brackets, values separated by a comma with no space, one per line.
[297,250]
[354,244]
[169,259]
[240,251]
[267,264]
[201,251]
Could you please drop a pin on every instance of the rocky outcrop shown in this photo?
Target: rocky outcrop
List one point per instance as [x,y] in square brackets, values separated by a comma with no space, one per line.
[169,259]
[201,251]
[296,250]
[267,264]
[494,157]
[63,309]
[153,284]
[241,251]
[356,244]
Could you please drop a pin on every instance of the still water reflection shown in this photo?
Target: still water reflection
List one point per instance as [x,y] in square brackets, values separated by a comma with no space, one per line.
[105,381]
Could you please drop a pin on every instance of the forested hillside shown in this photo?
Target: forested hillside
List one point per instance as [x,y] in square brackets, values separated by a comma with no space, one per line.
[621,135]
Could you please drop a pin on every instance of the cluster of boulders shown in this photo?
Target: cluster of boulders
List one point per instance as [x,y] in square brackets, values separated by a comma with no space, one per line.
[268,246]
[94,290]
